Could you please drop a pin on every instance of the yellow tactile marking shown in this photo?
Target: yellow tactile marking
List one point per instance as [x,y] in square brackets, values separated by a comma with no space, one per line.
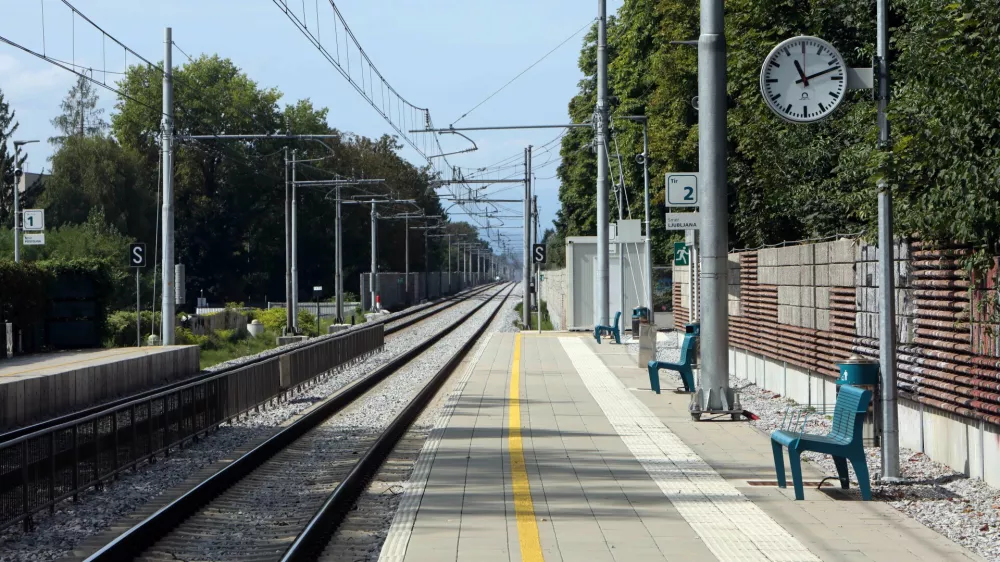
[527,527]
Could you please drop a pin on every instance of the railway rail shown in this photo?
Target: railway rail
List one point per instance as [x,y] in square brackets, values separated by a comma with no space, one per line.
[291,490]
[60,458]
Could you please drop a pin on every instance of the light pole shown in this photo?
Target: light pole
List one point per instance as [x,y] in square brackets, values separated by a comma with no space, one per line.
[601,126]
[17,197]
[644,160]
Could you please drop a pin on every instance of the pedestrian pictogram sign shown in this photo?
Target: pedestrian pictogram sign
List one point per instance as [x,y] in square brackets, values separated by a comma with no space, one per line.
[682,255]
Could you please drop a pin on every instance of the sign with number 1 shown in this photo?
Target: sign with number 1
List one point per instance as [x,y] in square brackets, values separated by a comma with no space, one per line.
[682,190]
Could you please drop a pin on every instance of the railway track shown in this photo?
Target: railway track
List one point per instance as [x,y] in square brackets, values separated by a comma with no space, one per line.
[393,324]
[284,497]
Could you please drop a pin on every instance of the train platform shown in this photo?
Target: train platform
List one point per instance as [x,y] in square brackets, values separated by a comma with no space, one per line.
[33,387]
[553,448]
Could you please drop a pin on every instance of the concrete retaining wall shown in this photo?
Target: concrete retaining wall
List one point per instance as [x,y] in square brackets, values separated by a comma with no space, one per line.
[554,295]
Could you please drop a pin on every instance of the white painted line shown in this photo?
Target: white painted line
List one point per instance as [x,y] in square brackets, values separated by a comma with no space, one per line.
[732,527]
[401,528]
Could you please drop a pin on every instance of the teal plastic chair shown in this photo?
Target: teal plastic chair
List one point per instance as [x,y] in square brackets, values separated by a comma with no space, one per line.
[843,443]
[683,367]
[612,330]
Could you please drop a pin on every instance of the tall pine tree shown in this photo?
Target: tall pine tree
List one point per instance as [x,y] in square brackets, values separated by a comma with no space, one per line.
[80,114]
[8,126]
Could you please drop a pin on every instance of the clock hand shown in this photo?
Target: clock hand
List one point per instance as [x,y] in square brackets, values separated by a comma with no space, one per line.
[805,79]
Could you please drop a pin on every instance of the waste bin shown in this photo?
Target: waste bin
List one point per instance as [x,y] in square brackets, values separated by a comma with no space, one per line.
[864,373]
[695,331]
[640,315]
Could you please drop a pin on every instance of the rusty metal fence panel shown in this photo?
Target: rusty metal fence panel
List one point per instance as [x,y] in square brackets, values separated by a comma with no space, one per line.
[51,465]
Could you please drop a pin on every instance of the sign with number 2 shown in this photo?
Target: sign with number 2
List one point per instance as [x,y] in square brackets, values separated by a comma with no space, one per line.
[682,190]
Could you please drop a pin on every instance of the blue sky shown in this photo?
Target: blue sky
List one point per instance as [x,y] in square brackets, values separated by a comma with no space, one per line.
[440,54]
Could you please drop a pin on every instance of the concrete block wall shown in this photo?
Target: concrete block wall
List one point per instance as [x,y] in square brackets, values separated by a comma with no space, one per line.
[868,293]
[804,275]
[554,294]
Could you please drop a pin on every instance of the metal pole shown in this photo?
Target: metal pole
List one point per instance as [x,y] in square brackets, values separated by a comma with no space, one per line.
[295,248]
[406,278]
[289,318]
[887,306]
[374,265]
[525,271]
[167,305]
[649,230]
[450,289]
[427,267]
[138,311]
[714,391]
[603,275]
[339,281]
[621,251]
[17,209]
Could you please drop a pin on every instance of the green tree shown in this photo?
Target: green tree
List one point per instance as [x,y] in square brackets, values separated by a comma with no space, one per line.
[95,172]
[8,126]
[80,115]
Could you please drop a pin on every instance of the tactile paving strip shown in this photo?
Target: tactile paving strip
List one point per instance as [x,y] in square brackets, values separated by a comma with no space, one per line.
[732,527]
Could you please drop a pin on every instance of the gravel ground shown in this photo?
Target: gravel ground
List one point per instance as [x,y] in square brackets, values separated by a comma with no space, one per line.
[965,510]
[57,534]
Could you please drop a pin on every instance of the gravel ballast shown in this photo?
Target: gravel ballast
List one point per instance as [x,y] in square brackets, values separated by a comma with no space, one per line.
[58,534]
[963,509]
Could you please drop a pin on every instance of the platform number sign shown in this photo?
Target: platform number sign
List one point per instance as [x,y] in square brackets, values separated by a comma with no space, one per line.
[33,220]
[682,190]
[538,253]
[137,254]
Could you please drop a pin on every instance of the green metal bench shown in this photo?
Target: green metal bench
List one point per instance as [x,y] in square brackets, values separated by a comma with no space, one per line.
[683,367]
[843,443]
[611,330]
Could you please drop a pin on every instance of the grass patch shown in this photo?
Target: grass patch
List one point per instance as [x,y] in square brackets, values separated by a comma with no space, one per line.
[533,318]
[221,352]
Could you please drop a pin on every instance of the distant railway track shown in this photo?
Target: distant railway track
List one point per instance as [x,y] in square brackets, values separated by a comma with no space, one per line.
[62,457]
[399,321]
[293,488]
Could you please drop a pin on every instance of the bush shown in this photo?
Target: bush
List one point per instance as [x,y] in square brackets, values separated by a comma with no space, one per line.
[273,319]
[120,327]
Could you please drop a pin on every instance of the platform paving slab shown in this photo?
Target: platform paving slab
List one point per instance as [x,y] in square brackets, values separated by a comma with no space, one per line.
[619,473]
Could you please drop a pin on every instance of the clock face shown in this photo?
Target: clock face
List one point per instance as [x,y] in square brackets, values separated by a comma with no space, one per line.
[804,79]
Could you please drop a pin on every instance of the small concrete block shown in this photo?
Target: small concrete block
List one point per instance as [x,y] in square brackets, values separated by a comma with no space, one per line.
[841,251]
[822,319]
[906,303]
[788,295]
[765,275]
[821,275]
[796,318]
[807,296]
[788,256]
[842,275]
[734,308]
[285,340]
[334,328]
[767,257]
[808,319]
[822,296]
[807,275]
[821,253]
[785,314]
[807,254]
[868,299]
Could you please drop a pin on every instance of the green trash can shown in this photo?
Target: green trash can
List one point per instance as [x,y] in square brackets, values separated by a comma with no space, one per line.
[858,371]
[863,372]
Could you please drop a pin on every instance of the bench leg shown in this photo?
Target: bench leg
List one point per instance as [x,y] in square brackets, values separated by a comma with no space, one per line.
[597,335]
[860,465]
[779,464]
[845,478]
[617,335]
[654,376]
[795,463]
[687,377]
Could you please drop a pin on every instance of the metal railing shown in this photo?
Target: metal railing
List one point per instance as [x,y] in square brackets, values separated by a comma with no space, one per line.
[43,468]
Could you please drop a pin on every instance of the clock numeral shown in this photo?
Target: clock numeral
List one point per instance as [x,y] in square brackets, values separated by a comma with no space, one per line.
[787,52]
[820,51]
[775,64]
[833,94]
[831,63]
[775,97]
[772,80]
[822,107]
[788,109]
[836,78]
[805,111]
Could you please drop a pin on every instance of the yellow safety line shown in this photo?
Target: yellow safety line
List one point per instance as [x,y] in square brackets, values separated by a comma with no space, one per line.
[527,527]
